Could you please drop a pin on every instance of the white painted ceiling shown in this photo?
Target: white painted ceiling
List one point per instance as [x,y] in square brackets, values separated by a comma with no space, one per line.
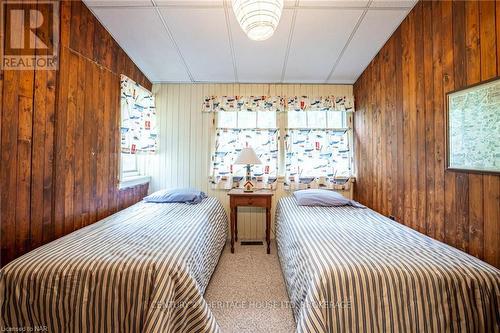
[317,41]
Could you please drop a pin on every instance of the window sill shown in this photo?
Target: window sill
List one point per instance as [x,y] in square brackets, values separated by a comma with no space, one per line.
[133,181]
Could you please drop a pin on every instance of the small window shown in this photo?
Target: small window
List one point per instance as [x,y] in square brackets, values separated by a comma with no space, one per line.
[239,129]
[227,120]
[317,119]
[297,119]
[129,165]
[137,129]
[337,119]
[318,145]
[247,119]
[266,119]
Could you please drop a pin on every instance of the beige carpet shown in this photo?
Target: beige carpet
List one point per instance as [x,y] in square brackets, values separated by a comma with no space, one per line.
[247,292]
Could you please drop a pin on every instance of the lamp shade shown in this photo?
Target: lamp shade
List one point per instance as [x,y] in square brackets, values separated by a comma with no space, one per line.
[248,156]
[258,18]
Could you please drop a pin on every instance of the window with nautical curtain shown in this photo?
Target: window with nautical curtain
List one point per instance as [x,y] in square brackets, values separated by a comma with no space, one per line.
[244,122]
[317,141]
[138,118]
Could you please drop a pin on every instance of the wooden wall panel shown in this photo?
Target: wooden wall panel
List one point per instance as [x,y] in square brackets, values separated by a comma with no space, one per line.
[60,138]
[441,46]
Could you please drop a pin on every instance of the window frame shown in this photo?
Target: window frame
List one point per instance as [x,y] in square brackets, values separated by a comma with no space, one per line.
[132,172]
[281,125]
[217,129]
[347,120]
[129,178]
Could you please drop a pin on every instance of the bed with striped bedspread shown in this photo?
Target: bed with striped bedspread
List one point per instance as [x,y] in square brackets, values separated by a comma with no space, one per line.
[143,269]
[350,269]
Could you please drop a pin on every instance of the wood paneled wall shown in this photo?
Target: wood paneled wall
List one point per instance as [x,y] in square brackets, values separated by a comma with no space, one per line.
[187,138]
[60,138]
[400,129]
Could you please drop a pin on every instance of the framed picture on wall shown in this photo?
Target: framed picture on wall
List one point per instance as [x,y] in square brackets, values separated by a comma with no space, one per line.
[473,128]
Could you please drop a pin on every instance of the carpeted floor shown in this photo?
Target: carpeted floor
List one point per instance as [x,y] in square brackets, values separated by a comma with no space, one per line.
[247,292]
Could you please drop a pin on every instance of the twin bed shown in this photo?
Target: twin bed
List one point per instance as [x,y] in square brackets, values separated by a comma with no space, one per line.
[351,269]
[347,269]
[143,269]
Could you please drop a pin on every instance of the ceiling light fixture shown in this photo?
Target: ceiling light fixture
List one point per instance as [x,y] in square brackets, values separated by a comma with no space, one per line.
[258,18]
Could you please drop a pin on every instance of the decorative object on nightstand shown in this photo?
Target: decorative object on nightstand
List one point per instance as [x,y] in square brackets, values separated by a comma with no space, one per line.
[261,198]
[249,157]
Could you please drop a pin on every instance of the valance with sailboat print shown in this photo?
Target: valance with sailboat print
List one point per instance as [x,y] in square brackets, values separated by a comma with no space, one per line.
[277,103]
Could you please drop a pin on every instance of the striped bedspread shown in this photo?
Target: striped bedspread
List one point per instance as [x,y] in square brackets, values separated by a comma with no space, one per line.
[144,269]
[353,270]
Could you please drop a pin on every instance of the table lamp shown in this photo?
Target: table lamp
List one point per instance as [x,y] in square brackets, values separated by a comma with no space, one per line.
[249,157]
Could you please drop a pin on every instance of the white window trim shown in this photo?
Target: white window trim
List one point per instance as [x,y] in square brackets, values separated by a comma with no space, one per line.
[131,178]
[130,174]
[133,181]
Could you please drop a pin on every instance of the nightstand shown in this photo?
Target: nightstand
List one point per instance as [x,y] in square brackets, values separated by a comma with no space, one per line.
[258,198]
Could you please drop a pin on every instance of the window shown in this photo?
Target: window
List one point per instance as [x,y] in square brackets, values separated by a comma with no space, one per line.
[236,130]
[138,130]
[315,140]
[129,165]
[317,145]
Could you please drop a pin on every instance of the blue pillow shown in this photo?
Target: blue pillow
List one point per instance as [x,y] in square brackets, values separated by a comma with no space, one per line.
[185,195]
[324,198]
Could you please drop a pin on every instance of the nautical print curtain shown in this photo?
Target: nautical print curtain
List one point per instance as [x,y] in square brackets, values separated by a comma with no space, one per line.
[319,155]
[241,103]
[277,103]
[316,139]
[326,103]
[138,118]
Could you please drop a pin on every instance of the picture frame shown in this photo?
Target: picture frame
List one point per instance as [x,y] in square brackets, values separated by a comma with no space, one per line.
[472,128]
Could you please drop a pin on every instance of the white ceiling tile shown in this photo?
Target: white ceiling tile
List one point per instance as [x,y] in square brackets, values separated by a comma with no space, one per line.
[199,28]
[373,32]
[202,37]
[333,3]
[190,3]
[119,3]
[147,44]
[394,3]
[261,61]
[319,37]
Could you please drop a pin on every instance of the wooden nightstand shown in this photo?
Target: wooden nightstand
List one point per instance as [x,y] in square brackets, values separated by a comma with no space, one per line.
[258,198]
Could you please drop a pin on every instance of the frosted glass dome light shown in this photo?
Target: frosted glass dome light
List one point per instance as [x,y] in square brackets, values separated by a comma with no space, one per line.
[258,18]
